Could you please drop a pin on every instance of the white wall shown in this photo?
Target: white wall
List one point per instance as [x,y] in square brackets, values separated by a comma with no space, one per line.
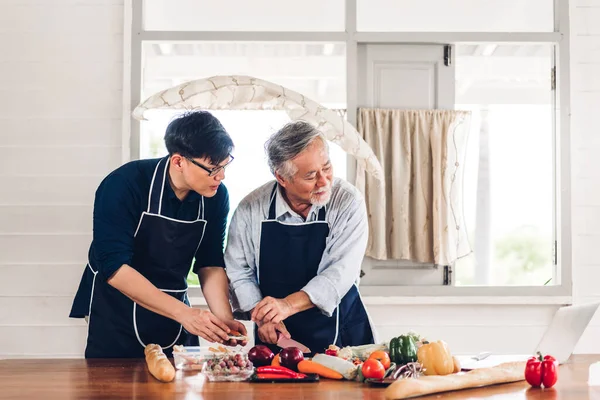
[585,147]
[60,102]
[60,133]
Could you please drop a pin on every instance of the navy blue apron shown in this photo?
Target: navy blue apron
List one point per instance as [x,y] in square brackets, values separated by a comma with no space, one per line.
[163,252]
[290,255]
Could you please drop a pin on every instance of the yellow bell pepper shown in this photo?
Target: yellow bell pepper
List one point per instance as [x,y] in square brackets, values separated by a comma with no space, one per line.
[436,358]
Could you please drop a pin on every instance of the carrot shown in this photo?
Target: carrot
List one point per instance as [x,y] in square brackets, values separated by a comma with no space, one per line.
[275,362]
[311,367]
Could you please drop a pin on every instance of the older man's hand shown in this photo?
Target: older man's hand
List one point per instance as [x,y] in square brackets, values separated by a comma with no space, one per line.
[269,333]
[272,310]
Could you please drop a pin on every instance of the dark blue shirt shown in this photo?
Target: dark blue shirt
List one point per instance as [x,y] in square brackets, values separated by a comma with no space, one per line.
[123,196]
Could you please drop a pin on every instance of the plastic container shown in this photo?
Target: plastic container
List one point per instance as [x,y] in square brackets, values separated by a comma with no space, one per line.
[192,359]
[229,367]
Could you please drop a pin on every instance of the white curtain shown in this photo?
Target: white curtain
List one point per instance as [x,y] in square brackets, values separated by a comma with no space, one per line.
[417,215]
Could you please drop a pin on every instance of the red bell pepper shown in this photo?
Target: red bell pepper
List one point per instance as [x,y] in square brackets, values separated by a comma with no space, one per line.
[541,371]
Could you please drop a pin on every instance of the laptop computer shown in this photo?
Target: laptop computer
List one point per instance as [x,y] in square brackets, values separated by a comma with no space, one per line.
[559,340]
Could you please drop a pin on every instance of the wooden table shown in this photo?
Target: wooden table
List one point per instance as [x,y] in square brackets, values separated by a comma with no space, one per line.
[129,379]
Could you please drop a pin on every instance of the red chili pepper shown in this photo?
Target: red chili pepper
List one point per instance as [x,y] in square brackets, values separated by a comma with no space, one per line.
[273,376]
[330,352]
[280,371]
[541,371]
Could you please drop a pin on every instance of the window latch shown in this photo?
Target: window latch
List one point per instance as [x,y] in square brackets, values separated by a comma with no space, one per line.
[447,275]
[447,55]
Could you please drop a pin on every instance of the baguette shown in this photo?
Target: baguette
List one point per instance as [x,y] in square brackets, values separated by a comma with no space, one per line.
[413,387]
[158,364]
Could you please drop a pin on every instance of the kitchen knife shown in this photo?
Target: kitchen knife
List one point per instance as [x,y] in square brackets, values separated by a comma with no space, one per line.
[284,342]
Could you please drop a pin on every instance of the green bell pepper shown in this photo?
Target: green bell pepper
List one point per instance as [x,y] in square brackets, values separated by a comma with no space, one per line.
[403,350]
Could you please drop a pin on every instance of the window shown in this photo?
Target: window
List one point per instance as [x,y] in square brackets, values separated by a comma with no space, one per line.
[503,52]
[508,184]
[244,15]
[455,16]
[315,69]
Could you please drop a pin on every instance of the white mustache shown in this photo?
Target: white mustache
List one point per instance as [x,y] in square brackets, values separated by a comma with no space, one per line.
[324,190]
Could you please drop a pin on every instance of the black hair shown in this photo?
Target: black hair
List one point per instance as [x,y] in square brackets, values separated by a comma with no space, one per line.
[198,134]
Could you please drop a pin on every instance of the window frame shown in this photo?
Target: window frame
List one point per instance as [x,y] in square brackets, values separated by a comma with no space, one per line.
[135,35]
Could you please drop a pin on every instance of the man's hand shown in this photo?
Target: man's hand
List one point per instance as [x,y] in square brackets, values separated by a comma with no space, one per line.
[205,324]
[268,333]
[271,309]
[238,327]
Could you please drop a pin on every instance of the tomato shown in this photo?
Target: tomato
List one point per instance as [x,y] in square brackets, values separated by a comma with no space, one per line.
[373,369]
[383,358]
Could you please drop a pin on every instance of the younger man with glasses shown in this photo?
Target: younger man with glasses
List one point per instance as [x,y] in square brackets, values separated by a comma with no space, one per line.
[151,219]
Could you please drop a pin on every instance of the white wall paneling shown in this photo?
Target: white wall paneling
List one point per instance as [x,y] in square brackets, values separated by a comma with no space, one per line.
[60,133]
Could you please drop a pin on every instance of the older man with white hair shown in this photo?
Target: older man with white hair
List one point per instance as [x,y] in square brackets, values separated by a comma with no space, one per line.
[296,245]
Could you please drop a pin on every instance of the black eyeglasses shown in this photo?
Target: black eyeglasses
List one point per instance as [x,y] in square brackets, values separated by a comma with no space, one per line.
[211,172]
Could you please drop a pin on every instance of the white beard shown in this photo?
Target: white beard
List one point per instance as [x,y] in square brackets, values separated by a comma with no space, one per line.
[321,200]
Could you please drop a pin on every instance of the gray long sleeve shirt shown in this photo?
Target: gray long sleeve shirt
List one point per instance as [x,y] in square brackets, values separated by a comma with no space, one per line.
[345,246]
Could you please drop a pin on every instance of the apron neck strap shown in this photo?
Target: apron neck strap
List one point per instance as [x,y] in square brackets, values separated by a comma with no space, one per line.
[201,208]
[157,187]
[272,203]
[322,211]
[322,214]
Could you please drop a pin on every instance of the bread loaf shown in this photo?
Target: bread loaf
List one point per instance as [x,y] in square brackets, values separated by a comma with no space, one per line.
[158,364]
[412,387]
